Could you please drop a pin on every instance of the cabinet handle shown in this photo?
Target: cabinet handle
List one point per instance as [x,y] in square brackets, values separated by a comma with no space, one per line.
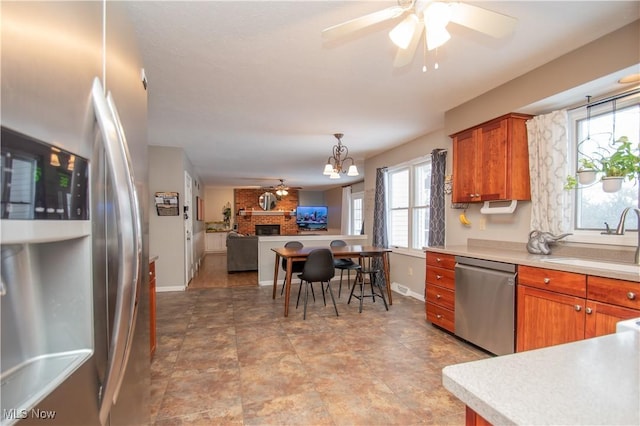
[631,295]
[438,277]
[439,316]
[438,296]
[547,280]
[588,310]
[150,273]
[578,308]
[438,260]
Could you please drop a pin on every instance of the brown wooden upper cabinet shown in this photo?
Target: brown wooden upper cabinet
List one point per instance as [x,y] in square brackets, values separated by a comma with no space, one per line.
[491,161]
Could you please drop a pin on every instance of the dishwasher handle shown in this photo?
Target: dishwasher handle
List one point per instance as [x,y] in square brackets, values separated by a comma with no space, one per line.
[486,264]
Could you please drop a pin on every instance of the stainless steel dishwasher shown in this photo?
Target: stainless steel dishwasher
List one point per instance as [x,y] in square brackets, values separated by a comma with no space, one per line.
[485,304]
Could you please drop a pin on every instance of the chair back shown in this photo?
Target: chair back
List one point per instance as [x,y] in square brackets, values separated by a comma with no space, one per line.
[337,243]
[295,245]
[319,266]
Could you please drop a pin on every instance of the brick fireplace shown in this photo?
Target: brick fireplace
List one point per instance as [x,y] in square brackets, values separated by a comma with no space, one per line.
[246,200]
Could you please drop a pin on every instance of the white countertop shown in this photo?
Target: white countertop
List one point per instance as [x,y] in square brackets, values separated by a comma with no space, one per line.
[536,260]
[589,382]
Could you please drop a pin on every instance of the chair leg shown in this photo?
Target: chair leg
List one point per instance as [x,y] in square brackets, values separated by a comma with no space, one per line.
[332,298]
[323,298]
[306,297]
[353,288]
[340,288]
[299,291]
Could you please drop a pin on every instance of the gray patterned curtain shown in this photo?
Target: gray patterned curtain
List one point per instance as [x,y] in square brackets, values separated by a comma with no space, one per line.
[380,210]
[436,212]
[379,219]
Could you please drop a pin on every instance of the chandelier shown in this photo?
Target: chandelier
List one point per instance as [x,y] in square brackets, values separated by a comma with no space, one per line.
[335,163]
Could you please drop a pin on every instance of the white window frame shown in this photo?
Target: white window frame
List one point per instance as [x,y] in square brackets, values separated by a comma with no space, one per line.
[592,236]
[412,208]
[355,197]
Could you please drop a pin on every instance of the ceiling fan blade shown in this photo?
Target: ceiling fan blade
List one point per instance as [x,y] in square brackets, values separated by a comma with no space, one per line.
[356,24]
[405,56]
[485,21]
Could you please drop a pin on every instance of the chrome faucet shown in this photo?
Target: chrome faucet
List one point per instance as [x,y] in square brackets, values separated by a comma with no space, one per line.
[620,230]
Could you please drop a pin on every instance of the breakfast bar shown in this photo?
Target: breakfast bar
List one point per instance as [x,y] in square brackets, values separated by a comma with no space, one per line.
[593,381]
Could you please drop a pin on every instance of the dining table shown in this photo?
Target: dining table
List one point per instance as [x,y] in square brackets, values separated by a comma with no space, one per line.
[345,252]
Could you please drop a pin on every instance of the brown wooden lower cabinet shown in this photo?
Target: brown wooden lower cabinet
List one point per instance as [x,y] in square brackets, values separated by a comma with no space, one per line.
[474,419]
[152,307]
[439,290]
[550,311]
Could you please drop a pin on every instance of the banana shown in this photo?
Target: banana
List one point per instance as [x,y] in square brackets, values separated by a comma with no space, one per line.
[463,220]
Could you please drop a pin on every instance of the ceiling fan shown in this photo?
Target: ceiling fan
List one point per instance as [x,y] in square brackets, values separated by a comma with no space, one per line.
[281,189]
[427,16]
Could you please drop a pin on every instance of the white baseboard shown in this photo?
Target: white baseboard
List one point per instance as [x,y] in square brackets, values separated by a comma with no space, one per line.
[170,288]
[406,291]
[398,288]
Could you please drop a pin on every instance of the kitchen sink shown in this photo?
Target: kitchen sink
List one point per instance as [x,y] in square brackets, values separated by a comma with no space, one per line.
[597,264]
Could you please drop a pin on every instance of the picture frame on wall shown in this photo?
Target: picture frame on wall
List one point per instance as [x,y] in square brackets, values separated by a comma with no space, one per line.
[199,208]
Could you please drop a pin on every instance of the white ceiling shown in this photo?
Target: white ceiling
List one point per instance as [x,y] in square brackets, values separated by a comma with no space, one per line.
[253,94]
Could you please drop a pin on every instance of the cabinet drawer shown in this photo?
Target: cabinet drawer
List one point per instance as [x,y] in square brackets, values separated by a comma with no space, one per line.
[447,261]
[441,277]
[616,292]
[440,316]
[441,296]
[549,279]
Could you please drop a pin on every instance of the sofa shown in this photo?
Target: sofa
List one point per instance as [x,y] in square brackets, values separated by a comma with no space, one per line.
[242,252]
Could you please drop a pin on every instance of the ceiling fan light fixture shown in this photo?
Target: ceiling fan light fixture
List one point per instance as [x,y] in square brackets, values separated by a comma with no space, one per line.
[436,37]
[438,14]
[334,175]
[328,169]
[353,170]
[402,33]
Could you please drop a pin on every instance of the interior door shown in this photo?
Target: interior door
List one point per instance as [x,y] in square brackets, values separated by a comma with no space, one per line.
[188,229]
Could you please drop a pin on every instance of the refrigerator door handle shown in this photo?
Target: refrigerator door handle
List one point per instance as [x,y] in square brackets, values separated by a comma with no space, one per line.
[128,251]
[137,237]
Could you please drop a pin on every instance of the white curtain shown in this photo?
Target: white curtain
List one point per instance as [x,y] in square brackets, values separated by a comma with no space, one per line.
[345,220]
[548,168]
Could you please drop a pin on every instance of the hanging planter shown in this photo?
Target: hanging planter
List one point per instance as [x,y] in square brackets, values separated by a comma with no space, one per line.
[612,183]
[586,177]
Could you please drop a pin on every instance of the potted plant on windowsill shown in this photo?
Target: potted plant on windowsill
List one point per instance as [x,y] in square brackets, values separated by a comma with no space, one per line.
[585,175]
[623,163]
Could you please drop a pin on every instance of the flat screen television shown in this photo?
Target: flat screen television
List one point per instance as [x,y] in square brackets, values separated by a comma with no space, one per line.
[311,217]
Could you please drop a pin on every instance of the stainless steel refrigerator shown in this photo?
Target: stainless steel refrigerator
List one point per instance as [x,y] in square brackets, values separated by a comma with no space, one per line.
[74,298]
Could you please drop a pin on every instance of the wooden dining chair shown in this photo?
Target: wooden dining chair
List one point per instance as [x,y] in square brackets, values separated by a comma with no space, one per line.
[344,265]
[319,267]
[375,275]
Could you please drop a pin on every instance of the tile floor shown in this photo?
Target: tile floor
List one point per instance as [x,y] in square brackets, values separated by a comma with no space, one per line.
[227,355]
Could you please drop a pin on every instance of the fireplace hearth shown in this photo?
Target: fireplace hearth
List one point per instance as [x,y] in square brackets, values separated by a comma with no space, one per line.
[269,229]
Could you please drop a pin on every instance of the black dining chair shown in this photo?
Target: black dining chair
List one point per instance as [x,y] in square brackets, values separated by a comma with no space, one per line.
[296,266]
[376,280]
[318,267]
[344,265]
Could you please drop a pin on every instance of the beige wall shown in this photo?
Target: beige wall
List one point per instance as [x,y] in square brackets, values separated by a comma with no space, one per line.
[607,55]
[166,233]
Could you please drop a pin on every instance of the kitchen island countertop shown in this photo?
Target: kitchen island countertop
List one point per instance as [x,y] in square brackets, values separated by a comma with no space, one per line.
[593,381]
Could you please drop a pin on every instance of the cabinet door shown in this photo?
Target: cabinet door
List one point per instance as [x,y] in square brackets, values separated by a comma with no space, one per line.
[152,307]
[546,318]
[464,166]
[492,160]
[602,318]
